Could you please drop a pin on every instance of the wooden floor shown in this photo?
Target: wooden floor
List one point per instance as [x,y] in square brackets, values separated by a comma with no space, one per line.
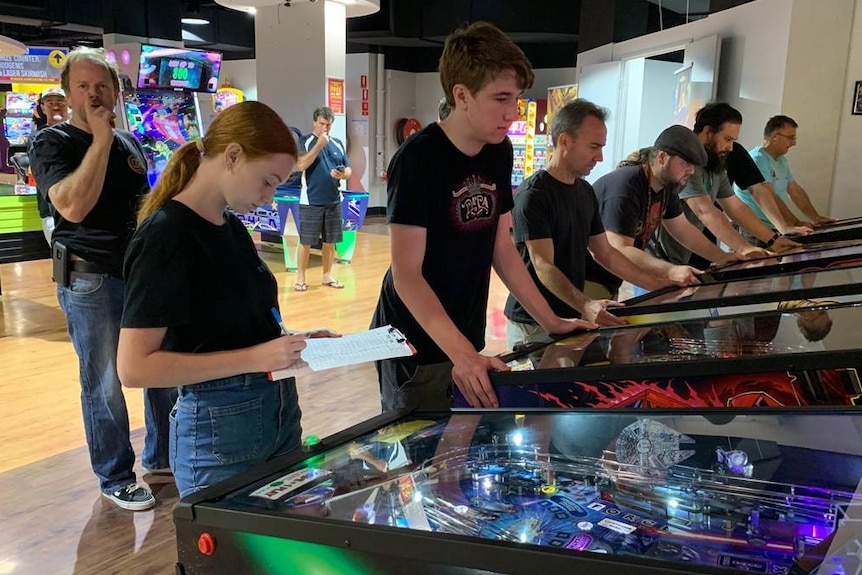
[52,517]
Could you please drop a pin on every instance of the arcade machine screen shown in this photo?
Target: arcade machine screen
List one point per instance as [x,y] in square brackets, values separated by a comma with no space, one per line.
[162,121]
[763,492]
[796,261]
[17,130]
[178,69]
[19,117]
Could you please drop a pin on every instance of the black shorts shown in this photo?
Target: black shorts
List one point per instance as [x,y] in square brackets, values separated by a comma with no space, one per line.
[316,222]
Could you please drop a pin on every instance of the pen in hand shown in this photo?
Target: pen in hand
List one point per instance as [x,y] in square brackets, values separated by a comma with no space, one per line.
[279,321]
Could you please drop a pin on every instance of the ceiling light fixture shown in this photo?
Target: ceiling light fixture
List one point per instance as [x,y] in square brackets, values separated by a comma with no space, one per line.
[11,47]
[192,15]
[194,20]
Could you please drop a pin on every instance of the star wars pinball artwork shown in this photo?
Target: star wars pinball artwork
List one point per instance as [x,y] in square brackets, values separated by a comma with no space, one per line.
[590,491]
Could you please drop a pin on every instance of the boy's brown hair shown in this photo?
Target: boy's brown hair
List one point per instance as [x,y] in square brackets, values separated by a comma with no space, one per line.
[475,55]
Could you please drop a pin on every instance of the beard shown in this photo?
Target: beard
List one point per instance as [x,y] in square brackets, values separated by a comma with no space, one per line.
[714,162]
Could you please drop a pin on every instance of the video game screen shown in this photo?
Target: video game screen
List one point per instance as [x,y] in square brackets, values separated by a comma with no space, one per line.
[734,292]
[178,69]
[162,121]
[17,130]
[763,492]
[20,104]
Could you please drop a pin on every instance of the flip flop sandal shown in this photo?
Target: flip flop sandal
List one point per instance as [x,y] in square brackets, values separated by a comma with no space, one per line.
[334,284]
[300,287]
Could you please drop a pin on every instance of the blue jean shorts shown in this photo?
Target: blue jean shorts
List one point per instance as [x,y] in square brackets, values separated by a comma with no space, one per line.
[223,427]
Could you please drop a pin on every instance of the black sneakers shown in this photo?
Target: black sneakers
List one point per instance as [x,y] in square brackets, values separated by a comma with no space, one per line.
[132,497]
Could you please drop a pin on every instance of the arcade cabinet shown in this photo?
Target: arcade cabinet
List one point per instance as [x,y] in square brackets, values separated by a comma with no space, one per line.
[161,88]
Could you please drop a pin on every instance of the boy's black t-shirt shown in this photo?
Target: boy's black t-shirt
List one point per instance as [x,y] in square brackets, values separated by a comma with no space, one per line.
[458,199]
[546,208]
[205,283]
[102,237]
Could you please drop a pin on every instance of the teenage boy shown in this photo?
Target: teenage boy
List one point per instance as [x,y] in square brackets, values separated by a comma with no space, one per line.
[448,187]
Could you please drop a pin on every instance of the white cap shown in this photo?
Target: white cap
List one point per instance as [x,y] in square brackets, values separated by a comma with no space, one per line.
[53,92]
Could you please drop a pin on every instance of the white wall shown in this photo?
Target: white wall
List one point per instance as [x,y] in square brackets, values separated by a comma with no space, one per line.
[241,74]
[657,106]
[291,60]
[428,94]
[814,91]
[360,128]
[548,77]
[649,103]
[753,57]
[847,182]
[783,56]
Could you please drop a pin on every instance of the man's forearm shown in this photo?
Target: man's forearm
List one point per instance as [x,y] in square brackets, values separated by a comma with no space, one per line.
[558,284]
[75,195]
[802,201]
[621,266]
[720,226]
[768,203]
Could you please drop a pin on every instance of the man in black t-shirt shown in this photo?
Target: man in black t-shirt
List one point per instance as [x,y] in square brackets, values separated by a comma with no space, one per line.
[94,176]
[448,186]
[638,197]
[55,108]
[556,220]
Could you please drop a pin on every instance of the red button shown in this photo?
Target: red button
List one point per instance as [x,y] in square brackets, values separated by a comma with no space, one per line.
[206,544]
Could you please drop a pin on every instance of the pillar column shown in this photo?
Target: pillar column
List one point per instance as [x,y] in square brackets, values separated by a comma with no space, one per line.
[298,50]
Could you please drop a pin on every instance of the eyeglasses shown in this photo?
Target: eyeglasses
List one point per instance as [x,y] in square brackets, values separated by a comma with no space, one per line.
[791,138]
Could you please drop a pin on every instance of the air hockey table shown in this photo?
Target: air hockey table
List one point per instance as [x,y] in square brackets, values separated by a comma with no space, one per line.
[525,492]
[807,357]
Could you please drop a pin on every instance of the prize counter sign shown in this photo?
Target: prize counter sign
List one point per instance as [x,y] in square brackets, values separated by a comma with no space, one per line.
[38,65]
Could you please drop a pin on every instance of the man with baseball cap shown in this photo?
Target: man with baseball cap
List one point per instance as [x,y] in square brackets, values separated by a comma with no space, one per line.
[55,109]
[639,197]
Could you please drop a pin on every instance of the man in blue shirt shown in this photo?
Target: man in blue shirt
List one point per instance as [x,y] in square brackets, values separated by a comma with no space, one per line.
[323,163]
[779,135]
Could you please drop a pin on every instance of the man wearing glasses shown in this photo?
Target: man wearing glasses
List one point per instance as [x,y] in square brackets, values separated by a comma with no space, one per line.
[779,136]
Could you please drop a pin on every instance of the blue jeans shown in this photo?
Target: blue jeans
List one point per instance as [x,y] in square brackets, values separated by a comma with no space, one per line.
[223,427]
[93,304]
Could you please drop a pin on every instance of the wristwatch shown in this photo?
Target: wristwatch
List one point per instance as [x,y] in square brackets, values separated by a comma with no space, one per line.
[772,239]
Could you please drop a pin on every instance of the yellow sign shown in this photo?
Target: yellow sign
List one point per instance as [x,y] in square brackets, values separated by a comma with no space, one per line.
[57,58]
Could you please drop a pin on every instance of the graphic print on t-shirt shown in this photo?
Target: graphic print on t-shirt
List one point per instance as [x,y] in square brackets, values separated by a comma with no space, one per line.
[474,203]
[652,220]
